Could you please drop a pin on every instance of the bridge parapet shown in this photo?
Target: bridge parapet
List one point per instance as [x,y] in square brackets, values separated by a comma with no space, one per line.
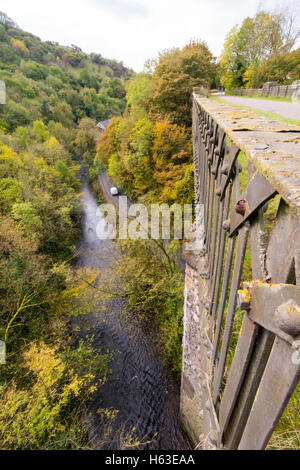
[242,297]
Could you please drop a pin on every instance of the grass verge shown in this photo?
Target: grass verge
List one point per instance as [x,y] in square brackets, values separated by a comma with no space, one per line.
[269,115]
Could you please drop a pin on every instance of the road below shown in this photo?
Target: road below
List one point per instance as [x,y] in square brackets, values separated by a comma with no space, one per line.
[289,110]
[105,185]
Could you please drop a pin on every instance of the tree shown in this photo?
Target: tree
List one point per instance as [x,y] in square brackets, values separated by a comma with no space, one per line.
[260,38]
[40,131]
[85,141]
[109,142]
[7,21]
[282,68]
[139,92]
[138,160]
[171,152]
[176,73]
[19,47]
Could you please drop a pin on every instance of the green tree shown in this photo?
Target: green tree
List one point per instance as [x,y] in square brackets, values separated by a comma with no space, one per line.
[176,73]
[139,92]
[259,38]
[40,131]
[85,141]
[281,68]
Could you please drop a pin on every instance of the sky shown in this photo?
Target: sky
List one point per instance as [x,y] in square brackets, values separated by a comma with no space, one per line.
[133,31]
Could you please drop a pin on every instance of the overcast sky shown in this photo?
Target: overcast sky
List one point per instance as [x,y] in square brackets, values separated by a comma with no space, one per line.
[133,30]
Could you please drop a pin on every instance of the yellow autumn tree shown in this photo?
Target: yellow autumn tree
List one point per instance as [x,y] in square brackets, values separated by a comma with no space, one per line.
[19,47]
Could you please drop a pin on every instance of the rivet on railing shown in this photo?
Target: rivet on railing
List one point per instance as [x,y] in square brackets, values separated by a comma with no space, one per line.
[287,318]
[241,207]
[224,169]
[226,225]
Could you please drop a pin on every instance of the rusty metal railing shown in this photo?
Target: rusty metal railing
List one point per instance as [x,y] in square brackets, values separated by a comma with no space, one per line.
[247,176]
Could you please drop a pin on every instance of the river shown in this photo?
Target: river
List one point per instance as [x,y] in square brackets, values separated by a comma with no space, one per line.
[140,388]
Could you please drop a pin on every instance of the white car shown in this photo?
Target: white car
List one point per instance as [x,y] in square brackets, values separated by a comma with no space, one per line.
[114,191]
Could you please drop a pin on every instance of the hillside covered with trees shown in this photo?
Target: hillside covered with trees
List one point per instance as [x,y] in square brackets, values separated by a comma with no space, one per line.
[55,96]
[148,153]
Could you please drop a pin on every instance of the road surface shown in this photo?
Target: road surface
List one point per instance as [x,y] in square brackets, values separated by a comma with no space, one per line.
[289,110]
[105,185]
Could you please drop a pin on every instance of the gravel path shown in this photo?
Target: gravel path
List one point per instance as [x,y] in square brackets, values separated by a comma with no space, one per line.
[290,110]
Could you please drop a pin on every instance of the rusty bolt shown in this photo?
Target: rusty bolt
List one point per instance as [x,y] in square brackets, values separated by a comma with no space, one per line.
[241,207]
[287,318]
[226,225]
[243,300]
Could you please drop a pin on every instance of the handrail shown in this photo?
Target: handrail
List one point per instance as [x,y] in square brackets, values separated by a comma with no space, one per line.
[242,298]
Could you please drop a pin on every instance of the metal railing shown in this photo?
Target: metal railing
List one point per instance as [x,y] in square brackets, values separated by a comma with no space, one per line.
[247,176]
